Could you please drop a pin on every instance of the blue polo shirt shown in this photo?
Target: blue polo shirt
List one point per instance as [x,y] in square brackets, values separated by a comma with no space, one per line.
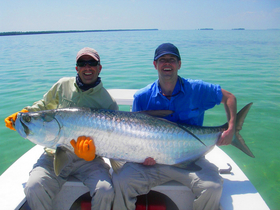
[189,100]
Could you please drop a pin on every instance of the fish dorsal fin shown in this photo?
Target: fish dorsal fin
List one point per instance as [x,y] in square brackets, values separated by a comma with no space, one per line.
[157,113]
[117,164]
[60,160]
[187,165]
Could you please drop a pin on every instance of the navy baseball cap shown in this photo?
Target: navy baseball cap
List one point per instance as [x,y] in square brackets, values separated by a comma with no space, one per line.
[166,48]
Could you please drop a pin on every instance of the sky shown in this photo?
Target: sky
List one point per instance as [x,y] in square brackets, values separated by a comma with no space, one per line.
[45,15]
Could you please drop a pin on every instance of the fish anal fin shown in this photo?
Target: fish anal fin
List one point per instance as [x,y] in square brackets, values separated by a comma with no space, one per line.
[60,160]
[117,164]
[187,165]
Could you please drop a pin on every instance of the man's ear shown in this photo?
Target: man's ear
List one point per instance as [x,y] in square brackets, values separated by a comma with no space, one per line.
[180,63]
[100,67]
[155,64]
[77,68]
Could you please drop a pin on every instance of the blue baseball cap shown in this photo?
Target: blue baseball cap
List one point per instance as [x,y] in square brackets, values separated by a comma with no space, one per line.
[166,48]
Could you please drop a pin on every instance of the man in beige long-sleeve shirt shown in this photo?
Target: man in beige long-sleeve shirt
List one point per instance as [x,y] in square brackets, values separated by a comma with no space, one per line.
[84,90]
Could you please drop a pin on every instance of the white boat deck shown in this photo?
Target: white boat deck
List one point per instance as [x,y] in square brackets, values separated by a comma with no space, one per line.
[238,192]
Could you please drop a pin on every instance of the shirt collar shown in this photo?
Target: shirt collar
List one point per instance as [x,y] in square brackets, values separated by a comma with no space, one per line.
[86,87]
[157,90]
[178,87]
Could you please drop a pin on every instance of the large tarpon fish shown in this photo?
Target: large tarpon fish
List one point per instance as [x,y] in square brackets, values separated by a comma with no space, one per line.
[127,136]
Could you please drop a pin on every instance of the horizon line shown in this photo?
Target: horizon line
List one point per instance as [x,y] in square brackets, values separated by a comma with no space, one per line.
[12,33]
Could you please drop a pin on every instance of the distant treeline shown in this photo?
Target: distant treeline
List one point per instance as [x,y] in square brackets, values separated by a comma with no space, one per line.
[71,31]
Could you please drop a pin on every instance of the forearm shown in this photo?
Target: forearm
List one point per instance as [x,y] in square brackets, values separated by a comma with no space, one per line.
[42,105]
[229,102]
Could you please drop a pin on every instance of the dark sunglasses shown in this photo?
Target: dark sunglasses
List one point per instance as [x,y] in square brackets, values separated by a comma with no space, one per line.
[82,63]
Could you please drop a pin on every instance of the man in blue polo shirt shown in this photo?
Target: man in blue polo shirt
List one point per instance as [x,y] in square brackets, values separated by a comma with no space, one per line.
[188,99]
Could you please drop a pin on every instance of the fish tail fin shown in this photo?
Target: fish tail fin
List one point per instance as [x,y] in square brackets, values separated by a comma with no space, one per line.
[238,141]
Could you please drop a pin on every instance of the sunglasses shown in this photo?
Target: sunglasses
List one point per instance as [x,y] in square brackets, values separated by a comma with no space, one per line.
[82,63]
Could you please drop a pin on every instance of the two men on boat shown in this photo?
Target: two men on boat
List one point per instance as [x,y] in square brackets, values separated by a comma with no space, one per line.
[187,98]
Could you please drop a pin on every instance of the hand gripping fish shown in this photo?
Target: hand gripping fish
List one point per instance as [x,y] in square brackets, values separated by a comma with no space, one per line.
[126,136]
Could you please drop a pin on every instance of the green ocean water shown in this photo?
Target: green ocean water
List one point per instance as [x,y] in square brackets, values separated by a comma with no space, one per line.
[246,63]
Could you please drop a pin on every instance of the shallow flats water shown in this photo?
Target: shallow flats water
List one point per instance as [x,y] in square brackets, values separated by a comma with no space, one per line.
[244,62]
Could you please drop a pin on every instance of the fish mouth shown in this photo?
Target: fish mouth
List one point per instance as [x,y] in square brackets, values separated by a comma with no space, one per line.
[20,126]
[25,128]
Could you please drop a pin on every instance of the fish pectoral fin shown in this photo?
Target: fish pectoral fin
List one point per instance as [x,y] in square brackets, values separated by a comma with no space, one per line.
[190,166]
[117,164]
[60,160]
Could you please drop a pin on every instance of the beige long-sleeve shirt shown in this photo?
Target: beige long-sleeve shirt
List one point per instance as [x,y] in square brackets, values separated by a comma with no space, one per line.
[65,93]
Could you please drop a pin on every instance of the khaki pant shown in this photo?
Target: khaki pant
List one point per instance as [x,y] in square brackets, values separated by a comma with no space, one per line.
[136,179]
[43,184]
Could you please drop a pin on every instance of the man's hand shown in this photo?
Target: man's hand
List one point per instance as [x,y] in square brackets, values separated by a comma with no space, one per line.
[84,148]
[226,138]
[10,121]
[149,162]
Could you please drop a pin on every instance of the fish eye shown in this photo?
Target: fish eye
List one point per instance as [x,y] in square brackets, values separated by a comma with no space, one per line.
[27,118]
